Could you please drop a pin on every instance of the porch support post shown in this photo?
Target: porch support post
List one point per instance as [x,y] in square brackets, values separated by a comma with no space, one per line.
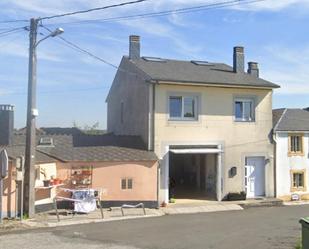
[166,175]
[219,175]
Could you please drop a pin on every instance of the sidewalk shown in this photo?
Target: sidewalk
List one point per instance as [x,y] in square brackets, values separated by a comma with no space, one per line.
[192,206]
[49,219]
[295,203]
[182,206]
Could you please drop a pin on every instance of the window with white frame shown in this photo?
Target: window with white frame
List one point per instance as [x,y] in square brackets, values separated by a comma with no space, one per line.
[244,109]
[182,107]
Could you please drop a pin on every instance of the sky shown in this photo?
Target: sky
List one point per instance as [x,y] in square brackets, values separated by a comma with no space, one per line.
[72,87]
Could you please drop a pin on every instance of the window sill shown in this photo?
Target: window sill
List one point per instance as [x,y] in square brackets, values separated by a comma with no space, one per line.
[182,120]
[291,154]
[299,189]
[243,121]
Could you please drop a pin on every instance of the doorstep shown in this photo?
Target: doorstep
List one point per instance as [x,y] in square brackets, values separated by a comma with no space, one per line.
[259,202]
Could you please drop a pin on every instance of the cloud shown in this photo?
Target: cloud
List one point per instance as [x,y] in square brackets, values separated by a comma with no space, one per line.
[273,5]
[51,7]
[288,66]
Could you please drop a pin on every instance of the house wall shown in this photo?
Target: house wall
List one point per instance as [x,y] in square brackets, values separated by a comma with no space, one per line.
[216,125]
[107,177]
[285,163]
[45,196]
[129,88]
[9,193]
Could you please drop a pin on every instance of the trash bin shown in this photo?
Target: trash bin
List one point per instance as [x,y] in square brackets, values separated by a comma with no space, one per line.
[305,232]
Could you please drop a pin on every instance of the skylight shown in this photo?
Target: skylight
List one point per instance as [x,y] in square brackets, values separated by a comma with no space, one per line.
[46,141]
[154,59]
[202,63]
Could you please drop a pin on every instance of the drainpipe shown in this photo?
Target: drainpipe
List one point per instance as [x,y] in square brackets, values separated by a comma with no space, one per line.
[158,183]
[275,163]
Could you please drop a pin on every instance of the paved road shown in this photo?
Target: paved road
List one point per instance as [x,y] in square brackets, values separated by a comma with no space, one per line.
[254,228]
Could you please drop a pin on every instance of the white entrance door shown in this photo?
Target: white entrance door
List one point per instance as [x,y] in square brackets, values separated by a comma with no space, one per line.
[255,176]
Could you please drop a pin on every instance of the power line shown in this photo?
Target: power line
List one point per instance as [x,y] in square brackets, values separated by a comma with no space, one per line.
[12,30]
[78,48]
[204,7]
[14,21]
[93,9]
[11,33]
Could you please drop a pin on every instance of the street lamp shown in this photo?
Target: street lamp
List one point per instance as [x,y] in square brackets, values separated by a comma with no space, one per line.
[32,113]
[57,31]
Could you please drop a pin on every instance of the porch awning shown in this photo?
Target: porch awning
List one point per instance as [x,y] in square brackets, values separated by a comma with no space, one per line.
[196,151]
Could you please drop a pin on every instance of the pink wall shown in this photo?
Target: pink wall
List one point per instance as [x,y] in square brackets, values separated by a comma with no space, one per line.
[105,175]
[9,195]
[108,175]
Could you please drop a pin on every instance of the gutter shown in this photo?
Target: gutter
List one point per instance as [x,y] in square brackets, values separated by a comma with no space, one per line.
[213,84]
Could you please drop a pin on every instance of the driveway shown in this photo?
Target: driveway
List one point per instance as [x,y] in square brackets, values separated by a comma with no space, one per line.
[258,228]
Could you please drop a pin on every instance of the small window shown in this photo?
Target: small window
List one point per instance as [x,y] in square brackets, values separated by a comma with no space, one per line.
[154,59]
[298,180]
[202,63]
[182,107]
[127,183]
[244,110]
[46,141]
[295,144]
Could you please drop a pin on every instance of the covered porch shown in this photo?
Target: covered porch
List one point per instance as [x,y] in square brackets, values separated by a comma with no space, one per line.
[192,173]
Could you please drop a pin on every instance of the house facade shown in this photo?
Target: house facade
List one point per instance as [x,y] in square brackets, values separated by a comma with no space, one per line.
[208,123]
[291,137]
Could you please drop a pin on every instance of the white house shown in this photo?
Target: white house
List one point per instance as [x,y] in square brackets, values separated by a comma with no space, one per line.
[291,136]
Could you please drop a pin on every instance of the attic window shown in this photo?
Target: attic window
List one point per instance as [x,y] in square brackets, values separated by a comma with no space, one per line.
[202,63]
[46,141]
[154,59]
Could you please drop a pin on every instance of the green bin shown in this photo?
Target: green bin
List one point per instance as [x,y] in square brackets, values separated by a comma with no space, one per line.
[305,232]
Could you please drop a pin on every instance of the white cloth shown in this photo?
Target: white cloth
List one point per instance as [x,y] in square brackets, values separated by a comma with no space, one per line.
[87,203]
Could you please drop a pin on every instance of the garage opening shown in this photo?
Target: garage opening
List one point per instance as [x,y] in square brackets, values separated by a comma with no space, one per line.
[192,176]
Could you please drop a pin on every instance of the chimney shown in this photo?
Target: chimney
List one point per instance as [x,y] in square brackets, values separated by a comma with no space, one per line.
[135,47]
[253,69]
[6,124]
[239,60]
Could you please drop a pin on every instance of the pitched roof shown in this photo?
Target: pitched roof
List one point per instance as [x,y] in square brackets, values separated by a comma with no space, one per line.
[71,144]
[290,120]
[178,71]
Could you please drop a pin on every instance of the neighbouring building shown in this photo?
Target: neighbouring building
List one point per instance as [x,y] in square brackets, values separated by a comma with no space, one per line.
[291,138]
[119,167]
[209,123]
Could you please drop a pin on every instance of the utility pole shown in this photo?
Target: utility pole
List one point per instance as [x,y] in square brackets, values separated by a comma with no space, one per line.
[29,177]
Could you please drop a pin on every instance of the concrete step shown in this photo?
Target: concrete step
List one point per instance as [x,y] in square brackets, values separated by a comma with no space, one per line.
[262,203]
